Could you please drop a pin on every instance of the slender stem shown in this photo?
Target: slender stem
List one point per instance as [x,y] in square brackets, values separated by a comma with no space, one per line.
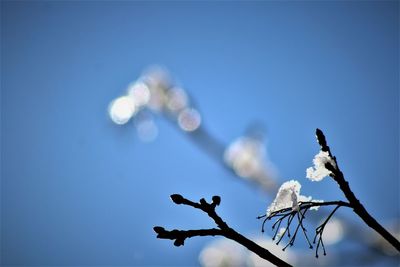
[183,234]
[303,228]
[358,208]
[254,247]
[326,203]
[319,231]
[289,213]
[306,205]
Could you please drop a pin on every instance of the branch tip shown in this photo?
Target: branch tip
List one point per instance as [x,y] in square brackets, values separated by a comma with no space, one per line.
[203,201]
[177,199]
[179,242]
[158,229]
[216,200]
[321,140]
[179,236]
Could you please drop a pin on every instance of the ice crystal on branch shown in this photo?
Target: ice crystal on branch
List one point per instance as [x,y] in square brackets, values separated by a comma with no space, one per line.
[288,196]
[319,171]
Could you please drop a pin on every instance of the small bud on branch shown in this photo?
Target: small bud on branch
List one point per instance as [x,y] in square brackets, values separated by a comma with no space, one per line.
[177,199]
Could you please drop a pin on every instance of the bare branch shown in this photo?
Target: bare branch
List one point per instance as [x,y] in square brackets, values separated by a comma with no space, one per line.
[180,235]
[224,230]
[358,208]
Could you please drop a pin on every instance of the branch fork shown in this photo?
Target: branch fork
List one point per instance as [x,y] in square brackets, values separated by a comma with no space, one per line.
[355,204]
[289,214]
[179,236]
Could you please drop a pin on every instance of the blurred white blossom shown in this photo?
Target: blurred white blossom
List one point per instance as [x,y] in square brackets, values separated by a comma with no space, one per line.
[189,119]
[177,99]
[334,231]
[223,253]
[318,172]
[159,83]
[139,92]
[121,109]
[226,253]
[146,127]
[154,91]
[245,155]
[248,159]
[253,260]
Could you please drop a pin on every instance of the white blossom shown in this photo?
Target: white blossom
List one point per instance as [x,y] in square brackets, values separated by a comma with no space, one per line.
[189,119]
[318,171]
[286,197]
[289,196]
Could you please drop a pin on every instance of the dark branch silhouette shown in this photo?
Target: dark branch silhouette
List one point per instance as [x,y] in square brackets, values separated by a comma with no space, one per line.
[290,213]
[224,230]
[355,204]
[162,84]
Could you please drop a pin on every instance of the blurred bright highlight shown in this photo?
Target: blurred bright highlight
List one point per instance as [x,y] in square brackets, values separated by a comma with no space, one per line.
[256,261]
[221,253]
[177,99]
[189,119]
[121,109]
[245,156]
[140,93]
[333,232]
[225,252]
[147,130]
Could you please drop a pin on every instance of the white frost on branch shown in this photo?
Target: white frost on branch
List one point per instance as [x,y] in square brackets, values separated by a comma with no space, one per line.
[319,171]
[316,201]
[288,196]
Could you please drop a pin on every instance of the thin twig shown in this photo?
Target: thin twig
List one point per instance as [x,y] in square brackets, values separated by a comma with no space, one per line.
[289,214]
[180,235]
[319,231]
[305,205]
[224,230]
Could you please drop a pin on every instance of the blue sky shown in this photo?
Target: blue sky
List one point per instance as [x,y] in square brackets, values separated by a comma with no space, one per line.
[77,189]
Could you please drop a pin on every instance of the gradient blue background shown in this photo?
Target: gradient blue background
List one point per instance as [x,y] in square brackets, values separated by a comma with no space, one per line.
[78,190]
